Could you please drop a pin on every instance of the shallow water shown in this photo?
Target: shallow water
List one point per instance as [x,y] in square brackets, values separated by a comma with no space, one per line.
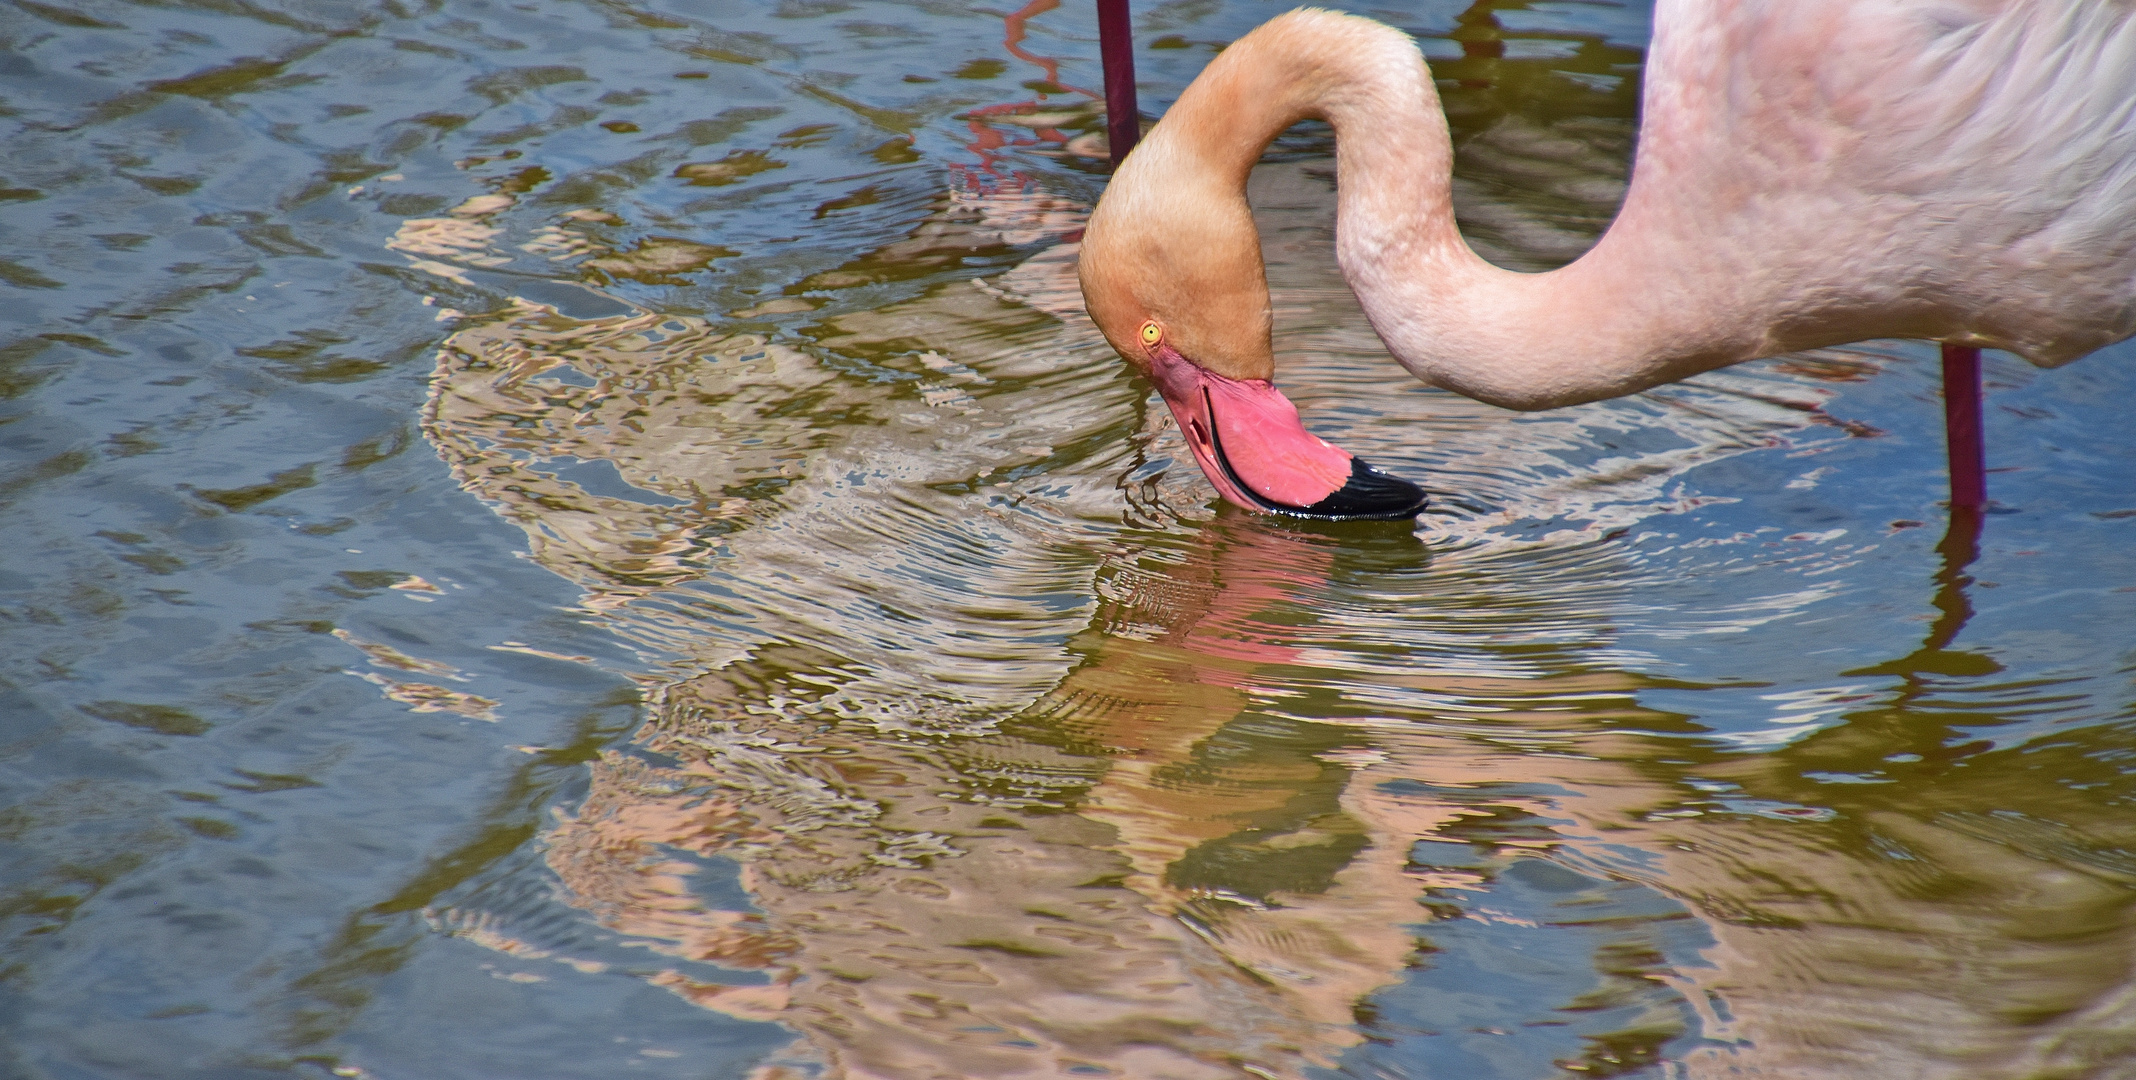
[594,540]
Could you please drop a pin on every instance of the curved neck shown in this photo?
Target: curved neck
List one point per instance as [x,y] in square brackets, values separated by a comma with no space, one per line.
[1638,310]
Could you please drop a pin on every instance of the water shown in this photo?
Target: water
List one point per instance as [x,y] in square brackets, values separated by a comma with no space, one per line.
[567,540]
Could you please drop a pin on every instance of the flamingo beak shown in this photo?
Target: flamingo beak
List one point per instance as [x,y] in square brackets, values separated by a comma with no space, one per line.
[1249,442]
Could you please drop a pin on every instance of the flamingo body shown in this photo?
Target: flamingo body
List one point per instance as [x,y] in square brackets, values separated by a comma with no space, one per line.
[1808,173]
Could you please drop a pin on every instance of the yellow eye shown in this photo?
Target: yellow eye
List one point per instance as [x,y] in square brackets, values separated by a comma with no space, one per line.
[1151,335]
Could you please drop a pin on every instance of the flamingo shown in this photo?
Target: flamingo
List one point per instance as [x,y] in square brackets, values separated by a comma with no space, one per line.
[1808,173]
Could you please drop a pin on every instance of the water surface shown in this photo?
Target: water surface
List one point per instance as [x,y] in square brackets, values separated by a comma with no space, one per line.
[594,539]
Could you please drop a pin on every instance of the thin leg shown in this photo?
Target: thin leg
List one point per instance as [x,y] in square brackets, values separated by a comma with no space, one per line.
[1116,48]
[1961,427]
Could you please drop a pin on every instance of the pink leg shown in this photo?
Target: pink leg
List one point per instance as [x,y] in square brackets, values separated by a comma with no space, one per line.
[1116,50]
[1961,427]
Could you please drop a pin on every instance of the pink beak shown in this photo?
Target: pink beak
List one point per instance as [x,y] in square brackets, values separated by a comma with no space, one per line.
[1248,440]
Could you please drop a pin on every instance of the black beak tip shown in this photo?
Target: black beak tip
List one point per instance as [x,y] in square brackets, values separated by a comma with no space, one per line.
[1370,495]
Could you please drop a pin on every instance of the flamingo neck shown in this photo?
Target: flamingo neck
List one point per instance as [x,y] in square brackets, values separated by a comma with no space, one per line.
[1638,310]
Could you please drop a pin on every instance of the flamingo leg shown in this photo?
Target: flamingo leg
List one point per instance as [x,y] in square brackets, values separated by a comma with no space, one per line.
[1962,427]
[1116,50]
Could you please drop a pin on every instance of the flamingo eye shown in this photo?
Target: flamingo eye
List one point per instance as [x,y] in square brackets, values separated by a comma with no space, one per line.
[1151,334]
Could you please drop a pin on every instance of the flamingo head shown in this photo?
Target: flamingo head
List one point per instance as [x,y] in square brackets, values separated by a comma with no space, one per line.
[1174,279]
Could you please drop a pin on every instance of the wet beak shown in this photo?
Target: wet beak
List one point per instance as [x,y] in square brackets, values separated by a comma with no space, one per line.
[1248,440]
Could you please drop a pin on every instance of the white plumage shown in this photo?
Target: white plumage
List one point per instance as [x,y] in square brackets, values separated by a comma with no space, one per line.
[1809,172]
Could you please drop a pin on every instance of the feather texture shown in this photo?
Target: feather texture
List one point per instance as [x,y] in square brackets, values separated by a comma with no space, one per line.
[1809,172]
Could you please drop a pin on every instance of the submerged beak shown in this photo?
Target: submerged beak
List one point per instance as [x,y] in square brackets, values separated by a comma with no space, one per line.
[1248,440]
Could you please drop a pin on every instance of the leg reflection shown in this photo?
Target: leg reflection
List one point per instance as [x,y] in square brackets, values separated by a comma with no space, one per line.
[1959,549]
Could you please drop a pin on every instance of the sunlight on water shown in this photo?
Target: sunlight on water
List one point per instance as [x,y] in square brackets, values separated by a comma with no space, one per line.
[810,653]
